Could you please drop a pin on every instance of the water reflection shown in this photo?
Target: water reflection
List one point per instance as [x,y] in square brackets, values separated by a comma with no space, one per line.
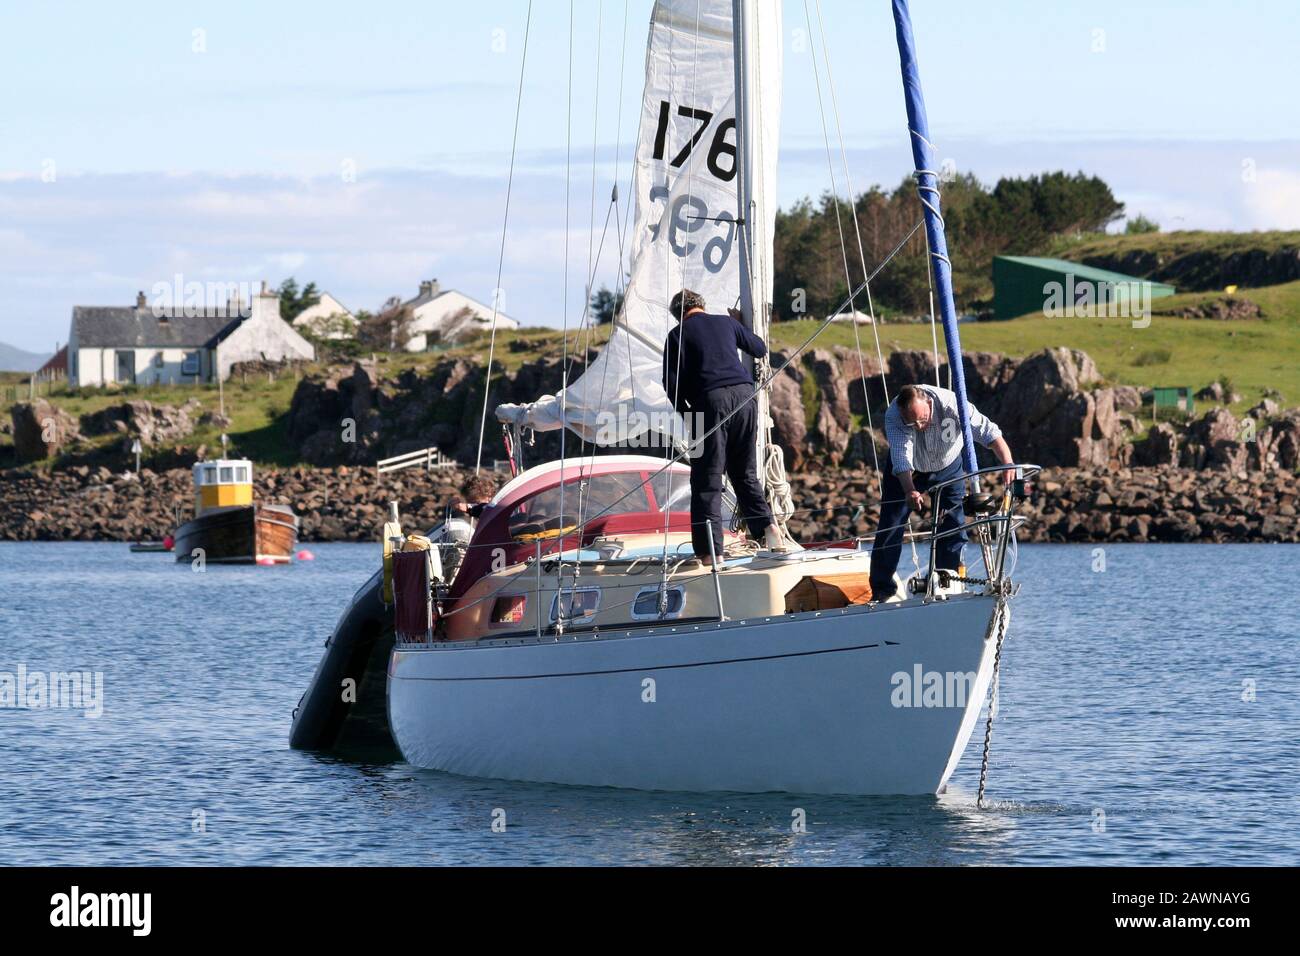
[551,824]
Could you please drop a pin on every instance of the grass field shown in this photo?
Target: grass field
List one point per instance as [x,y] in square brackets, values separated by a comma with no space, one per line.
[1254,354]
[256,409]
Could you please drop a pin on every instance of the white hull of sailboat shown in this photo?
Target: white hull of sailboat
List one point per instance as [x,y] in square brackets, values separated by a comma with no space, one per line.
[820,702]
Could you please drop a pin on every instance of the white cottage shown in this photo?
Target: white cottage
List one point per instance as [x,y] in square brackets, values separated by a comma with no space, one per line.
[327,319]
[150,345]
[443,316]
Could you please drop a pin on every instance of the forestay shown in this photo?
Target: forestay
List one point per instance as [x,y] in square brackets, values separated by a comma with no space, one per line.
[686,231]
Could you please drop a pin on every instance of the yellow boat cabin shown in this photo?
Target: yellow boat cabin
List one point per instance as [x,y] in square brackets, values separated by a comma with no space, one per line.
[224,483]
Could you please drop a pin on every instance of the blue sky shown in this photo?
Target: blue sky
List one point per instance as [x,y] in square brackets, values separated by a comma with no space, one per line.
[133,148]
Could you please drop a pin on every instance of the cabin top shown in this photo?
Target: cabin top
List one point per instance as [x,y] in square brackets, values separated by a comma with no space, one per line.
[548,475]
[601,495]
[223,471]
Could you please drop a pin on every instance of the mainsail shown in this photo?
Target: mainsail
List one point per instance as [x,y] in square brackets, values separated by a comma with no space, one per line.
[687,210]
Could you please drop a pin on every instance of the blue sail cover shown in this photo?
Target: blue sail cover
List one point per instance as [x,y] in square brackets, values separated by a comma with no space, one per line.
[928,188]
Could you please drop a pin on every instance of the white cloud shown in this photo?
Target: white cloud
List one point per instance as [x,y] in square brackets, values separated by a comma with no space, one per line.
[289,261]
[1272,201]
[14,242]
[95,240]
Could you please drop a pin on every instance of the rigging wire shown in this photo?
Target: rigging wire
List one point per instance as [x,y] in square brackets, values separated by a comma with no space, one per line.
[564,309]
[835,195]
[587,319]
[586,325]
[591,236]
[857,228]
[620,284]
[934,325]
[591,278]
[862,259]
[501,259]
[594,265]
[830,166]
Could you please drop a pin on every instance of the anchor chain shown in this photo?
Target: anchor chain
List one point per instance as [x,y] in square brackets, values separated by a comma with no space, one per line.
[1001,618]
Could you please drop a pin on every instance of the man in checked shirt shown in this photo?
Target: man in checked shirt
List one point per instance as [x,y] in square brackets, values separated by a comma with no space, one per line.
[925,449]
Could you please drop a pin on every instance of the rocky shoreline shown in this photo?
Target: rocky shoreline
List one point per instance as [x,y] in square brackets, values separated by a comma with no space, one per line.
[1213,476]
[348,504]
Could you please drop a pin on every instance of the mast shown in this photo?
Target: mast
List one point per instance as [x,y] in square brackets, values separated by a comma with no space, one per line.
[927,187]
[751,294]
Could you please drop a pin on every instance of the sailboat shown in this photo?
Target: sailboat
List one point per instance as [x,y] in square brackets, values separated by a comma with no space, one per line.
[575,639]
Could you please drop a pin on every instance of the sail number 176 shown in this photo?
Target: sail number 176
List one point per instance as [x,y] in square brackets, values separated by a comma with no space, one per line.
[718,149]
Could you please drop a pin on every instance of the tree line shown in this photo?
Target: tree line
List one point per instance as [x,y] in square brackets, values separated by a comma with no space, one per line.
[1017,216]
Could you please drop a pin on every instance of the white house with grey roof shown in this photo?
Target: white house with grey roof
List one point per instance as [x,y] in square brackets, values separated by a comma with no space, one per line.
[144,344]
[443,316]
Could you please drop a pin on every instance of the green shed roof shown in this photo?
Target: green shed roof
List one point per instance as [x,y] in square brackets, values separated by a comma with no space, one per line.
[1079,270]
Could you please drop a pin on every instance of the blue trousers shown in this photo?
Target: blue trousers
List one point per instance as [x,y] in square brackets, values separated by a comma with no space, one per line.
[893,525]
[731,451]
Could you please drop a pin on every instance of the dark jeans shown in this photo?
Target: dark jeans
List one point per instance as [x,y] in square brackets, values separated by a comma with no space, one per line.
[728,450]
[893,524]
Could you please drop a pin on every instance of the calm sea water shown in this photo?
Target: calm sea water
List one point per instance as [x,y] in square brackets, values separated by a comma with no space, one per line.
[1124,734]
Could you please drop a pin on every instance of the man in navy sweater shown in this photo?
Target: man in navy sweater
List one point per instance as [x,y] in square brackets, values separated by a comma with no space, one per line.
[706,382]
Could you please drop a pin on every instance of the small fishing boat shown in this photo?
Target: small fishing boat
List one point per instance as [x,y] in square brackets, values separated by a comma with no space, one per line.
[228,526]
[150,547]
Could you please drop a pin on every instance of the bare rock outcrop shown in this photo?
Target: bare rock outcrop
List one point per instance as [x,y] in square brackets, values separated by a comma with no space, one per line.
[1216,441]
[152,424]
[788,425]
[41,429]
[1276,444]
[1052,413]
[833,420]
[1227,307]
[811,405]
[1218,392]
[335,418]
[827,409]
[1159,448]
